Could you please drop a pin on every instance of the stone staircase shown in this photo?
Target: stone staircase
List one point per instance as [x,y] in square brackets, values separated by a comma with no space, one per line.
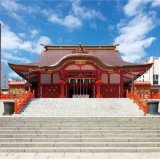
[80,125]
[81,107]
[79,134]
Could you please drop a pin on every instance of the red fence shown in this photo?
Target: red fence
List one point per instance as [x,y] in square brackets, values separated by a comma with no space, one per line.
[6,96]
[141,98]
[20,101]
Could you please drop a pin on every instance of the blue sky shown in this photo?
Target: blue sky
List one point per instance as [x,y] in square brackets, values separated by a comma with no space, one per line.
[134,24]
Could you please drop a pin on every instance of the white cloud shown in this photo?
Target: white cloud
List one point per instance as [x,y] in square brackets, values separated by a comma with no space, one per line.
[12,41]
[34,32]
[42,40]
[12,5]
[68,21]
[54,18]
[85,13]
[136,28]
[9,39]
[14,76]
[156,3]
[4,61]
[133,34]
[14,9]
[134,7]
[71,22]
[14,48]
[136,50]
[74,19]
[9,56]
[21,35]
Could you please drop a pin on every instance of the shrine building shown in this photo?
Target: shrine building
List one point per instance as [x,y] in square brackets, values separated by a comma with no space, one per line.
[80,72]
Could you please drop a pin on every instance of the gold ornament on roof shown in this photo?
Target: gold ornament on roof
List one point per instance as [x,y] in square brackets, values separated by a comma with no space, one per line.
[80,49]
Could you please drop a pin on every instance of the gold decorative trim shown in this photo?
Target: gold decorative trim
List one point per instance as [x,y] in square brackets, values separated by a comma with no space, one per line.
[80,62]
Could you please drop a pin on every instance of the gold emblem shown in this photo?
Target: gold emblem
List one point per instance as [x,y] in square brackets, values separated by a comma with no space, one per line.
[80,62]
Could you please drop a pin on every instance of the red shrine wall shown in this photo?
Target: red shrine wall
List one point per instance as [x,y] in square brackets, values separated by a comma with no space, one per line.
[49,87]
[90,80]
[111,91]
[51,91]
[110,88]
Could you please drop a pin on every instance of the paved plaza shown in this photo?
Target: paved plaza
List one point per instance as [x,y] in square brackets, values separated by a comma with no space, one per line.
[79,155]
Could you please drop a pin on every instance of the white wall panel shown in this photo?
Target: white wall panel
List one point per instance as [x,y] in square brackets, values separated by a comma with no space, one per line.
[115,78]
[56,78]
[73,67]
[46,78]
[105,78]
[87,67]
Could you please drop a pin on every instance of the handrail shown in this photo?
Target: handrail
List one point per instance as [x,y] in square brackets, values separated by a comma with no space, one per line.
[143,104]
[141,98]
[20,101]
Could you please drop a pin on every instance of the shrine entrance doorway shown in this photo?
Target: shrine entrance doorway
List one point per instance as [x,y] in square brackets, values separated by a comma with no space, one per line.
[80,88]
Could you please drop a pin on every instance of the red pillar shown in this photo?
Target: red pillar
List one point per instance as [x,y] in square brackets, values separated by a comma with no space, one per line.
[121,84]
[39,85]
[62,83]
[98,88]
[108,89]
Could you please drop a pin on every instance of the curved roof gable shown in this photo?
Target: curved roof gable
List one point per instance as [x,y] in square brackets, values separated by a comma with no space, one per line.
[54,55]
[106,57]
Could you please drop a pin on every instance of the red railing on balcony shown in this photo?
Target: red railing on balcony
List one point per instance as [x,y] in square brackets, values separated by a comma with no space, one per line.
[141,98]
[20,100]
[6,96]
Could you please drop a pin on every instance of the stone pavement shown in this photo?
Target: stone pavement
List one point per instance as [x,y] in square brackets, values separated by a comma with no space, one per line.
[79,155]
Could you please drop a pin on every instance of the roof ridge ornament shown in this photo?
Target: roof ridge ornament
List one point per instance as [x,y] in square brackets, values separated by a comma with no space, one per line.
[80,49]
[45,46]
[115,45]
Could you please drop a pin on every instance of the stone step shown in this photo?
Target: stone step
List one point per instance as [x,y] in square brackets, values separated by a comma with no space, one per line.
[81,132]
[28,123]
[81,123]
[78,128]
[107,126]
[83,119]
[81,136]
[81,107]
[77,149]
[80,119]
[86,127]
[80,144]
[109,139]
